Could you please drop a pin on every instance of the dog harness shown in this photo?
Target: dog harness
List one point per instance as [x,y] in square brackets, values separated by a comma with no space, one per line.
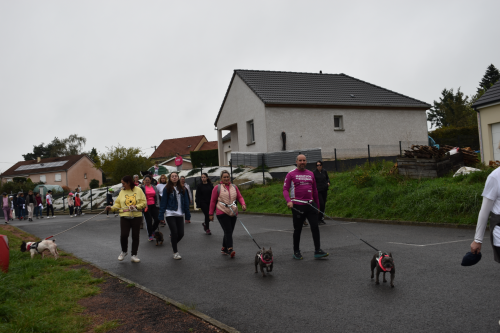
[264,261]
[381,255]
[33,246]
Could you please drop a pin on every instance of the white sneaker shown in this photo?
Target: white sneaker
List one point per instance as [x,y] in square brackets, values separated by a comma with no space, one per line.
[135,259]
[53,217]
[75,215]
[122,255]
[116,215]
[108,216]
[177,256]
[71,216]
[48,217]
[83,213]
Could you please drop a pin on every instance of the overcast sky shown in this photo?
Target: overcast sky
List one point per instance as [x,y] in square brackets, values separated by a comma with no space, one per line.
[138,72]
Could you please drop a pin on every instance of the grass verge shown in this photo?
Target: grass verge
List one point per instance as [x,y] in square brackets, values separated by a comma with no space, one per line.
[41,295]
[371,192]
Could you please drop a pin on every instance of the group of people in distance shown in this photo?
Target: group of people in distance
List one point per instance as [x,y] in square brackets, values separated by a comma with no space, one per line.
[23,207]
[168,202]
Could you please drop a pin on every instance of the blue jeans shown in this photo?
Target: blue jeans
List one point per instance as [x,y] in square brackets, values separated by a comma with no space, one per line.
[38,211]
[21,212]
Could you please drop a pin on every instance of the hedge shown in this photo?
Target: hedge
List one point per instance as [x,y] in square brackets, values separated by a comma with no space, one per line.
[457,136]
[207,157]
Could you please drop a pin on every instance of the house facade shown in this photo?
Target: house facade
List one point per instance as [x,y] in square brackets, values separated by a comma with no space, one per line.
[327,111]
[68,171]
[488,116]
[168,148]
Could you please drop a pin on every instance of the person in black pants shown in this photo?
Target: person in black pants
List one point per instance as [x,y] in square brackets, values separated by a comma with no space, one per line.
[322,183]
[202,198]
[109,200]
[153,202]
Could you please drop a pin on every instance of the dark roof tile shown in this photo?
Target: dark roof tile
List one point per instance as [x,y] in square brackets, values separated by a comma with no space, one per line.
[492,95]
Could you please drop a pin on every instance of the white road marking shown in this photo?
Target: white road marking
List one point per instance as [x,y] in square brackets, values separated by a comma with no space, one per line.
[421,245]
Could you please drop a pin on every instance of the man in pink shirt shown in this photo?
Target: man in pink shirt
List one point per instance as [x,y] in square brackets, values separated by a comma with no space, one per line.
[301,194]
[178,162]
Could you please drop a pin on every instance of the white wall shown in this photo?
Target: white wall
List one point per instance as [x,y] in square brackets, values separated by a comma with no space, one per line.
[313,127]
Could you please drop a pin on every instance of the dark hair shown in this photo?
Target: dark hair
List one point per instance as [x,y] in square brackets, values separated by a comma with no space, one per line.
[130,181]
[320,162]
[170,184]
[208,178]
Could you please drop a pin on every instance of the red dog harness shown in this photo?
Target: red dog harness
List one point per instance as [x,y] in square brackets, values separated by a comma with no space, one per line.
[381,256]
[264,261]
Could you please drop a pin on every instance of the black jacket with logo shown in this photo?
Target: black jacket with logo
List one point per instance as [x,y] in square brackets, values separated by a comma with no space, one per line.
[322,179]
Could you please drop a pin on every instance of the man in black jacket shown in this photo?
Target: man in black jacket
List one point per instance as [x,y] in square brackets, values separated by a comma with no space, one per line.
[322,183]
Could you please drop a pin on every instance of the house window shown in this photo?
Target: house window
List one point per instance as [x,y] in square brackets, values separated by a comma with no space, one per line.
[42,178]
[58,177]
[251,132]
[338,123]
[85,175]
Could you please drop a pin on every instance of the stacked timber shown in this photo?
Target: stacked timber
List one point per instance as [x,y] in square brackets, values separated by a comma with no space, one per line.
[494,164]
[417,151]
[429,162]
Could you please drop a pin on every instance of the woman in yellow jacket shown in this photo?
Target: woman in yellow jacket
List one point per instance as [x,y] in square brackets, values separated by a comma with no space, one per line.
[130,203]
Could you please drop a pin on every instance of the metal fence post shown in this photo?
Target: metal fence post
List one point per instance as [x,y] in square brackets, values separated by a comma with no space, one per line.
[369,162]
[90,199]
[335,152]
[400,150]
[263,173]
[64,206]
[231,166]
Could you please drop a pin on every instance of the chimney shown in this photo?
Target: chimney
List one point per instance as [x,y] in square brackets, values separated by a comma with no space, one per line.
[38,159]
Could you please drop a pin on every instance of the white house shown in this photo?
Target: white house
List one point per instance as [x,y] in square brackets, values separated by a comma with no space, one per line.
[314,110]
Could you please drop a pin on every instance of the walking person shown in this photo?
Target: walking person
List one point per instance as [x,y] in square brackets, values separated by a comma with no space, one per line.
[71,204]
[322,183]
[223,201]
[300,193]
[21,204]
[178,162]
[202,199]
[30,204]
[130,202]
[162,182]
[6,207]
[137,182]
[109,200]
[39,206]
[188,189]
[175,203]
[490,210]
[153,202]
[16,208]
[48,201]
[78,204]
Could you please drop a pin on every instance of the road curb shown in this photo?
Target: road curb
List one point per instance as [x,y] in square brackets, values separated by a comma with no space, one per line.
[178,305]
[395,222]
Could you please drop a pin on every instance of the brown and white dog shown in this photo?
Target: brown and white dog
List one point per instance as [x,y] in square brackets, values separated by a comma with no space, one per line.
[40,247]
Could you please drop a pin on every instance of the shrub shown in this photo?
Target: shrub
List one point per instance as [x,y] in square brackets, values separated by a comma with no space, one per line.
[212,170]
[94,183]
[192,172]
[66,189]
[457,136]
[207,157]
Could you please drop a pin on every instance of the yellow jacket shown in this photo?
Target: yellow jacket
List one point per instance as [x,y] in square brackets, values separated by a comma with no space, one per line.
[127,198]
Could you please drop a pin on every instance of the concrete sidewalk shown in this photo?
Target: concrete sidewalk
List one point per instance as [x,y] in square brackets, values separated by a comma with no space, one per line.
[432,291]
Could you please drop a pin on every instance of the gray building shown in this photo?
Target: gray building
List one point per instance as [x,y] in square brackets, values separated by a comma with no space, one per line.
[312,110]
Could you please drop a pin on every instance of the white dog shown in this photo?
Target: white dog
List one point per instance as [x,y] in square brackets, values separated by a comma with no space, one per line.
[40,247]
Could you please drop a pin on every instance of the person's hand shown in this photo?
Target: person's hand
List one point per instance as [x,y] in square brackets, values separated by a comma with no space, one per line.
[289,204]
[108,208]
[211,217]
[475,247]
[244,207]
[328,184]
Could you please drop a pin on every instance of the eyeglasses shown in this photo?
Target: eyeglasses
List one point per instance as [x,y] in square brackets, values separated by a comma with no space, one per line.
[319,164]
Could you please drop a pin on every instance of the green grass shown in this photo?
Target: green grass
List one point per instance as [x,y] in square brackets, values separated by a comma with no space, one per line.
[41,295]
[107,326]
[370,192]
[187,307]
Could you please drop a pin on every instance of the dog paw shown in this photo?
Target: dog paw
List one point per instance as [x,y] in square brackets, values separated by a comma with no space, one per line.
[392,286]
[377,282]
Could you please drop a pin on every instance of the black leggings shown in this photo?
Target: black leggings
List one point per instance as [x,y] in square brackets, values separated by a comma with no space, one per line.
[125,226]
[50,207]
[227,223]
[176,225]
[152,215]
[298,221]
[322,203]
[204,208]
[71,208]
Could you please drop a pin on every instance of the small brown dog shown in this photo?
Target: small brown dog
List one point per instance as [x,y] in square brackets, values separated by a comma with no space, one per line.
[384,263]
[40,247]
[159,238]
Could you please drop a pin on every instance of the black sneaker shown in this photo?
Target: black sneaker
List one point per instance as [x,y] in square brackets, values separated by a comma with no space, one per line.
[223,251]
[321,222]
[320,254]
[297,255]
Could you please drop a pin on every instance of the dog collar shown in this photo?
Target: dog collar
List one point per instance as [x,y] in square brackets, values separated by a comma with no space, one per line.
[264,261]
[380,262]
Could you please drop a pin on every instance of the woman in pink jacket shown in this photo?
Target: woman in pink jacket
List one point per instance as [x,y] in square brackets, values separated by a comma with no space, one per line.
[224,201]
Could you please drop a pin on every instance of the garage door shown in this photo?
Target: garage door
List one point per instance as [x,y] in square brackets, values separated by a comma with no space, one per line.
[495,134]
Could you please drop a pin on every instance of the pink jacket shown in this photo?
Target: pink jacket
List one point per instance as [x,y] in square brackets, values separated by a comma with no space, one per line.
[215,199]
[178,161]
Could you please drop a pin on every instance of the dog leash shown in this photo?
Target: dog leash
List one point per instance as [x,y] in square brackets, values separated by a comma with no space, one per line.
[248,232]
[298,211]
[76,225]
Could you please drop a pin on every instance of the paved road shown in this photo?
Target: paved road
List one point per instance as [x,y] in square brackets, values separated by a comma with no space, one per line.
[433,292]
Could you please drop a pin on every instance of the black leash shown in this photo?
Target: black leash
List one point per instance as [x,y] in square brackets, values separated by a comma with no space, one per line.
[298,211]
[244,226]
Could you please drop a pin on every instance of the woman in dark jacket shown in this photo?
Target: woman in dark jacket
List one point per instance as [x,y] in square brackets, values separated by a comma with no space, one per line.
[202,198]
[30,204]
[175,203]
[153,202]
[322,183]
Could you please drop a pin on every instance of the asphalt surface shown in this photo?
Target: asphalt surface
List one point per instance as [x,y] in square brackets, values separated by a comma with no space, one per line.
[432,293]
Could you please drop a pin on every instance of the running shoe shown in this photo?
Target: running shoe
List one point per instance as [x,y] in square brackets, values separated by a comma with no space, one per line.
[320,254]
[297,255]
[208,232]
[151,238]
[49,217]
[204,226]
[177,256]
[135,259]
[122,255]
[223,251]
[305,223]
[231,253]
[321,222]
